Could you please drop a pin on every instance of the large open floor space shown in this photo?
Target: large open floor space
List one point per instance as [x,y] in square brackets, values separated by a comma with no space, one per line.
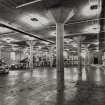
[39,87]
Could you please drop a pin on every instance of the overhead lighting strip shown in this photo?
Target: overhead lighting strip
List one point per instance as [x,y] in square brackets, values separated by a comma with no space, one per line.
[29,3]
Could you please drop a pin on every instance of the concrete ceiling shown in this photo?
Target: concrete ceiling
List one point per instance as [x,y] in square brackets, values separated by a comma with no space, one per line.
[34,20]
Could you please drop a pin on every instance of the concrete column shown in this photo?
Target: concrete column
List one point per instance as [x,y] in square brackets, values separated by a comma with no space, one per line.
[59,54]
[86,62]
[79,40]
[20,51]
[80,61]
[100,57]
[60,15]
[31,44]
[79,53]
[102,35]
[104,58]
[51,56]
[0,52]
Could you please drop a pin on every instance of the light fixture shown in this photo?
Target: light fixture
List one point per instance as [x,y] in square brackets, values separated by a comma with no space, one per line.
[92,9]
[96,43]
[83,54]
[8,40]
[68,40]
[34,20]
[28,37]
[74,44]
[46,43]
[53,33]
[65,54]
[29,3]
[95,28]
[4,30]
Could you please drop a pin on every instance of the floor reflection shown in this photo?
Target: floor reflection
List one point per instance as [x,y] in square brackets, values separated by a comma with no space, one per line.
[60,97]
[39,87]
[88,94]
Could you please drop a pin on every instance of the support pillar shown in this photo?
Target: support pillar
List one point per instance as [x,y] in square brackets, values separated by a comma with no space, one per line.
[59,54]
[51,56]
[102,35]
[102,27]
[0,52]
[60,15]
[31,44]
[79,54]
[86,59]
[80,62]
[79,40]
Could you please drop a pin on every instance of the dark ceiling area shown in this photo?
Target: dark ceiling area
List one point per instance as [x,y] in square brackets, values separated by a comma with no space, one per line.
[20,22]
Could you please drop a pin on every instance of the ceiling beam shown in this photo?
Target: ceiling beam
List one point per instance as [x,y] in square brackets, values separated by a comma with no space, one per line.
[9,33]
[23,32]
[85,21]
[85,34]
[78,22]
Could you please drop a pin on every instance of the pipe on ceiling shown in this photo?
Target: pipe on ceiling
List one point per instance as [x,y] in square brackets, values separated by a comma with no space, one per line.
[23,32]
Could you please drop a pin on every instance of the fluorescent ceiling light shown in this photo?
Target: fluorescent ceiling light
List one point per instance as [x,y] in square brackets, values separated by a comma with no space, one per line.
[28,37]
[14,45]
[26,4]
[96,43]
[92,9]
[46,43]
[34,20]
[74,44]
[92,29]
[68,40]
[4,30]
[53,33]
[8,40]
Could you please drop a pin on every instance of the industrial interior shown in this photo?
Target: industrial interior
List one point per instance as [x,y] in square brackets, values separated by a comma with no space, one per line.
[52,52]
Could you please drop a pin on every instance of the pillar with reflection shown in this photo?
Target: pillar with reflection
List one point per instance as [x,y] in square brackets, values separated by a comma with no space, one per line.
[0,51]
[79,40]
[102,33]
[31,44]
[60,15]
[51,52]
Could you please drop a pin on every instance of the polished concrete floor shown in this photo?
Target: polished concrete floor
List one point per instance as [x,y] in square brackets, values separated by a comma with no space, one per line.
[82,87]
